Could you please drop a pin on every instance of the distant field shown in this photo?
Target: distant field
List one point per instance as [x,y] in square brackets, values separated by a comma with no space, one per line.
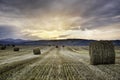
[62,63]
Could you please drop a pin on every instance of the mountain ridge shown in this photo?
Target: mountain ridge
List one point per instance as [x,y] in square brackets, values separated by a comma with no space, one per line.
[71,42]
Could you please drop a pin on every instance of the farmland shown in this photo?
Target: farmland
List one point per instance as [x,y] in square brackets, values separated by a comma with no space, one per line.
[62,63]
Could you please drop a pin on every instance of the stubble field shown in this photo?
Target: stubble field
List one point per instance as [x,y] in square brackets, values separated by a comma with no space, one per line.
[62,63]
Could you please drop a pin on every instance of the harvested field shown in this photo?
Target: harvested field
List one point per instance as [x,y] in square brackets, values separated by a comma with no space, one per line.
[68,63]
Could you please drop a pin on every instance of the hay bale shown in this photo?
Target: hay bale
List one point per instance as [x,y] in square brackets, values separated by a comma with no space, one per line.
[3,47]
[16,49]
[13,45]
[36,51]
[49,45]
[56,46]
[102,52]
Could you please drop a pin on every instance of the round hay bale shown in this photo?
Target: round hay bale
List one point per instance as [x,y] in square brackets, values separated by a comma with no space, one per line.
[13,45]
[56,46]
[102,52]
[49,45]
[3,47]
[16,49]
[36,51]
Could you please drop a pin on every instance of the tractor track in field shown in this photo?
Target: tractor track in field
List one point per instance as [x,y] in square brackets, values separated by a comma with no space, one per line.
[7,70]
[22,57]
[78,68]
[45,70]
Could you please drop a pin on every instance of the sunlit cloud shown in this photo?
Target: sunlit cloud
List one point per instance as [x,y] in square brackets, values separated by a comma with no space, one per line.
[60,19]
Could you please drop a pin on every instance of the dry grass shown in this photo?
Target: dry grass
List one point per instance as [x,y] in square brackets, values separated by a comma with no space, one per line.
[68,63]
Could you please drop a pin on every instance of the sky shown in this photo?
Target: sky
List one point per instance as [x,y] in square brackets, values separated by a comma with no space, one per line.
[60,19]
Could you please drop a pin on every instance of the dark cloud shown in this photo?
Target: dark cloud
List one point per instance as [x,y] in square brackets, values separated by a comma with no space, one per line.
[100,22]
[84,8]
[95,8]
[94,13]
[23,6]
[6,31]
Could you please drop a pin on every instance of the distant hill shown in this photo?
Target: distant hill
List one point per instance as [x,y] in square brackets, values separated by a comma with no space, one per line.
[12,41]
[71,42]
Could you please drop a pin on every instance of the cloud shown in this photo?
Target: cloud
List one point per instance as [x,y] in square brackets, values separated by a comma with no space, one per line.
[76,18]
[106,33]
[6,31]
[64,36]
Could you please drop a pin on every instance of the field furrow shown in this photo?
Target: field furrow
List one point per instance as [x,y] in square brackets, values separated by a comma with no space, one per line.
[9,70]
